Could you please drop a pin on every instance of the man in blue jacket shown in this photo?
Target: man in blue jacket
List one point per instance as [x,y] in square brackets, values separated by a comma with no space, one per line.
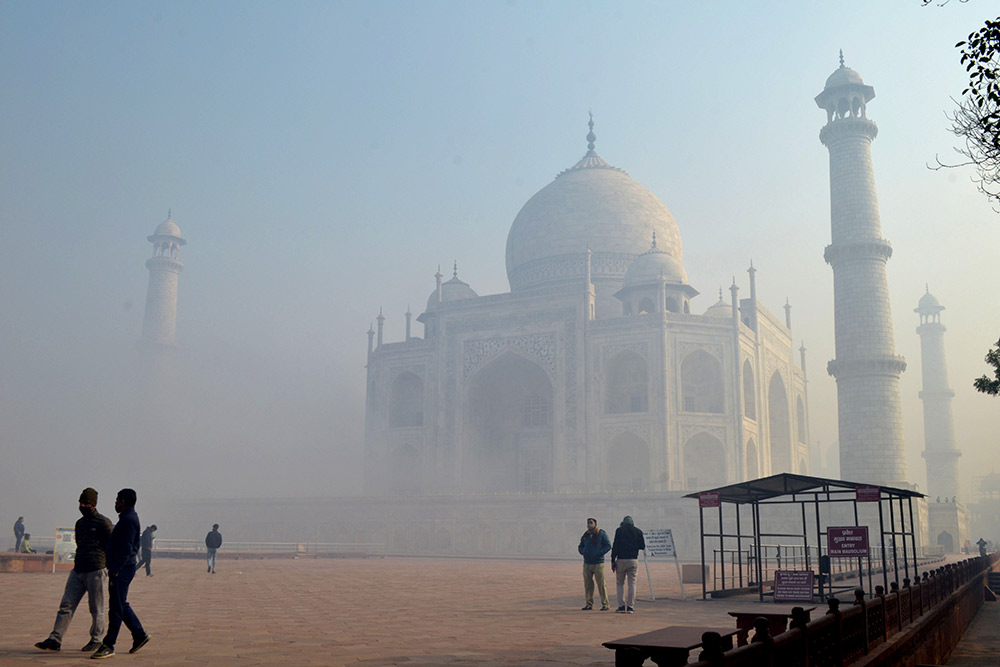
[120,553]
[593,545]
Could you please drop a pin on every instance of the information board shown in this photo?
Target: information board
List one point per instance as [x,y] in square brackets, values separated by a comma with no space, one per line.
[847,541]
[660,543]
[709,499]
[868,494]
[65,546]
[793,586]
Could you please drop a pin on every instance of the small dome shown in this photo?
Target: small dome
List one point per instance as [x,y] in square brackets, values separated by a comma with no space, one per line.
[167,228]
[843,76]
[453,290]
[928,304]
[720,309]
[653,264]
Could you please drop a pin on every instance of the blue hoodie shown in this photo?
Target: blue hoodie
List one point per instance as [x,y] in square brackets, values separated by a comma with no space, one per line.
[594,553]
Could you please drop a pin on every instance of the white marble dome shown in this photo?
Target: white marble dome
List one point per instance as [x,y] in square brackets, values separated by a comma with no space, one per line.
[167,228]
[452,290]
[591,204]
[652,265]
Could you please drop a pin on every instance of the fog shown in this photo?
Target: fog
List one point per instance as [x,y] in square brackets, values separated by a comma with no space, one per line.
[324,159]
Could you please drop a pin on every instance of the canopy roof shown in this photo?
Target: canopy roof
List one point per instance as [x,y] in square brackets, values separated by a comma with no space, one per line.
[786,484]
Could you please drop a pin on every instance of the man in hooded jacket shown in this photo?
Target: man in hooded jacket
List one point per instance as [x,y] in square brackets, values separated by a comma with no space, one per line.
[625,562]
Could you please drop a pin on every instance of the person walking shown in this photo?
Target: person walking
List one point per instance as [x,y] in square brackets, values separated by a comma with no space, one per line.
[87,576]
[593,545]
[18,534]
[212,543]
[120,553]
[146,548]
[625,562]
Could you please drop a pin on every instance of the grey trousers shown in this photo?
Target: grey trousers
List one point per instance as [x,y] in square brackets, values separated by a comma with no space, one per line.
[93,585]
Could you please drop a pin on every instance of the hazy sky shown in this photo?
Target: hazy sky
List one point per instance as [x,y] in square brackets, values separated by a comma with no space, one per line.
[323,158]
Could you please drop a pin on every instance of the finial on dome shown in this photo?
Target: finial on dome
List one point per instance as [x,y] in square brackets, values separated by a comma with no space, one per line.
[841,58]
[454,270]
[169,211]
[720,294]
[927,288]
[654,239]
[591,137]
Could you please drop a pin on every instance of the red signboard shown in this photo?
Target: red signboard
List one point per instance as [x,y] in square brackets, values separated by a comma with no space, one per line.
[847,541]
[868,494]
[709,499]
[793,586]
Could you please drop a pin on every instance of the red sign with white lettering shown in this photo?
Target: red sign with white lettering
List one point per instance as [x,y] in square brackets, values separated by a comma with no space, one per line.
[709,499]
[868,494]
[793,586]
[847,541]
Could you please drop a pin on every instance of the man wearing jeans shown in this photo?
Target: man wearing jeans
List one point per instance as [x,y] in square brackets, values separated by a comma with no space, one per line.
[87,576]
[123,547]
[212,543]
[625,562]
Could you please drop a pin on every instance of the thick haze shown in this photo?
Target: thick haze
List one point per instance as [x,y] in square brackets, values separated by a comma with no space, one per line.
[323,159]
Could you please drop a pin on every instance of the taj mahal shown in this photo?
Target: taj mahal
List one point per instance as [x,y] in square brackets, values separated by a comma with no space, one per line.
[596,372]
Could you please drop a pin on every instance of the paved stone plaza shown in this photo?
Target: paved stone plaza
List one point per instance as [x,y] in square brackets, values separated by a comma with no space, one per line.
[379,611]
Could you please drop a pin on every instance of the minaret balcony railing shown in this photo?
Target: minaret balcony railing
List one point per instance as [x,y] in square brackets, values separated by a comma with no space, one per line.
[164,264]
[874,249]
[851,126]
[880,364]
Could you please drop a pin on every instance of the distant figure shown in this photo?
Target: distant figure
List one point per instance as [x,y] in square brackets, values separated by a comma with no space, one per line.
[146,548]
[121,550]
[212,543]
[625,562]
[18,533]
[25,545]
[87,576]
[982,546]
[593,545]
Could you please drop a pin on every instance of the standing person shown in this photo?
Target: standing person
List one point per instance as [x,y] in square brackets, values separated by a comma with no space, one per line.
[18,533]
[146,548]
[87,576]
[593,545]
[121,550]
[625,562]
[212,543]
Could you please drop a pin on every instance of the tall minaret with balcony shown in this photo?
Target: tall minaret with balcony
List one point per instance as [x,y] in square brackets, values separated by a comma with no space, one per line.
[159,325]
[866,366]
[939,436]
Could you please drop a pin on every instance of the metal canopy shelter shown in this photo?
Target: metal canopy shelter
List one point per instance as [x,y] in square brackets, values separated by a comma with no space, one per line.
[803,490]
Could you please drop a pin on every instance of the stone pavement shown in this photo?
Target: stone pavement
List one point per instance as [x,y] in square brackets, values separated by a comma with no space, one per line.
[980,645]
[379,611]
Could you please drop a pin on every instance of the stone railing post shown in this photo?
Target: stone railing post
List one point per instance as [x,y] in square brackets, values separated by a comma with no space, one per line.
[711,649]
[880,594]
[833,605]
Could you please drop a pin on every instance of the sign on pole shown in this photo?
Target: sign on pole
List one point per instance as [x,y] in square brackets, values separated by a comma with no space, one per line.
[660,542]
[709,499]
[64,550]
[847,541]
[868,494]
[793,586]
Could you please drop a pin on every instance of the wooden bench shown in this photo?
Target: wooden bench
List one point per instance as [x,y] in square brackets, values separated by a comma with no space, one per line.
[776,622]
[667,647]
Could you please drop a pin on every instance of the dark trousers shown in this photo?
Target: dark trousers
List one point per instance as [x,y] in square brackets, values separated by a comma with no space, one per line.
[147,555]
[119,610]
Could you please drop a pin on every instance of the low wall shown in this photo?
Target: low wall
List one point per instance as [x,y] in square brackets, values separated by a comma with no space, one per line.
[30,563]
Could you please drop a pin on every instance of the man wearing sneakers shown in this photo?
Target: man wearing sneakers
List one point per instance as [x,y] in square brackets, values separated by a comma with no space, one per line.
[212,543]
[88,575]
[593,545]
[625,562]
[123,547]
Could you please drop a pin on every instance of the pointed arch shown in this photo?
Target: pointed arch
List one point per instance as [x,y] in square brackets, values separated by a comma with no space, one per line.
[701,383]
[779,425]
[749,391]
[406,401]
[646,305]
[800,420]
[705,462]
[753,461]
[404,471]
[626,384]
[627,464]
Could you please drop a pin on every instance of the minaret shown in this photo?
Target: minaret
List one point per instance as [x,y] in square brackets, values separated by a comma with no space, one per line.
[160,322]
[939,436]
[866,366]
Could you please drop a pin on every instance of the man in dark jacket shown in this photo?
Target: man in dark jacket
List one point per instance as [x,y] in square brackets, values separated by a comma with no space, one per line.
[146,548]
[212,543]
[18,534]
[625,562]
[593,545]
[87,576]
[120,553]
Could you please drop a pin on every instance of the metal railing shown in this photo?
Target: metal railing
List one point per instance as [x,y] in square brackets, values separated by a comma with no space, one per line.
[175,546]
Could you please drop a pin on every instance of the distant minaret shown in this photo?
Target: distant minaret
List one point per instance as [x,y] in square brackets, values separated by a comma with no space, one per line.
[939,437]
[866,366]
[160,322]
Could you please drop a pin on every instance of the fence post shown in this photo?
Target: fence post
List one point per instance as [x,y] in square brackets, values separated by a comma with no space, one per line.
[833,605]
[712,651]
[880,594]
[762,635]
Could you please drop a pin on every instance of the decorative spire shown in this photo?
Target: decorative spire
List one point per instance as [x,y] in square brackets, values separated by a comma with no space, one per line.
[169,213]
[454,270]
[842,58]
[927,288]
[591,137]
[654,239]
[720,294]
